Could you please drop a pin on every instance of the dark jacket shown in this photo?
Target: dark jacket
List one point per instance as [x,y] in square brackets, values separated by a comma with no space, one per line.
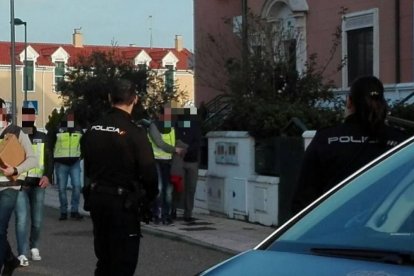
[117,152]
[192,137]
[337,152]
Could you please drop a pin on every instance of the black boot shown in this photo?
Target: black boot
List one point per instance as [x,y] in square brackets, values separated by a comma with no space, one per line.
[63,216]
[76,215]
[10,265]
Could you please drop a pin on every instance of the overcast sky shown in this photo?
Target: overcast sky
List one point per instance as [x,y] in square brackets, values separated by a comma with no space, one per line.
[102,21]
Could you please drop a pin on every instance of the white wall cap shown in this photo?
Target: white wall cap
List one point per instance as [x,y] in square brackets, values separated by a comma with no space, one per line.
[309,133]
[228,134]
[263,179]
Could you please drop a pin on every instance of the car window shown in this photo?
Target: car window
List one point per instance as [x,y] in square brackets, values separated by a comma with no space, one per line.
[373,211]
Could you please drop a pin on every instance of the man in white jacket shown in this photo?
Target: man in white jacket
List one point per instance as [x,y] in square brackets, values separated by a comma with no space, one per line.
[9,188]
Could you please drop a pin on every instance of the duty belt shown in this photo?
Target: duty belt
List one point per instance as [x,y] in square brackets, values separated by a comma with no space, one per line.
[18,182]
[118,191]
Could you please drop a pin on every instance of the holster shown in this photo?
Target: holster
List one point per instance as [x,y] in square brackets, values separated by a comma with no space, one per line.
[137,200]
[86,192]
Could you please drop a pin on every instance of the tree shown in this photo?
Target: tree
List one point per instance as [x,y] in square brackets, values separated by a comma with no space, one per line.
[267,91]
[54,119]
[88,81]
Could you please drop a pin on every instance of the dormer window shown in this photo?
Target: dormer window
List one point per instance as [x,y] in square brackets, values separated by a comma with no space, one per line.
[59,71]
[169,62]
[59,58]
[142,66]
[28,73]
[142,60]
[169,78]
[28,78]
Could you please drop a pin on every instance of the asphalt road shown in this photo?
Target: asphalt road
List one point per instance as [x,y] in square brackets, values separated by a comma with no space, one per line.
[67,249]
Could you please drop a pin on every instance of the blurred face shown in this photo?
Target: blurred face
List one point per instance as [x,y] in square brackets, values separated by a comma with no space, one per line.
[28,120]
[71,120]
[166,117]
[3,117]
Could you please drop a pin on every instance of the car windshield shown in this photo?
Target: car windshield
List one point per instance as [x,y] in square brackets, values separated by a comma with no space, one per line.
[374,212]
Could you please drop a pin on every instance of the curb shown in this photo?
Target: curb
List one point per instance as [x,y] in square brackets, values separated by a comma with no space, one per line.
[178,237]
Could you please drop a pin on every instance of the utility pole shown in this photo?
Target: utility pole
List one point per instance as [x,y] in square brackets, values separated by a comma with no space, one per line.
[13,64]
[245,46]
[150,30]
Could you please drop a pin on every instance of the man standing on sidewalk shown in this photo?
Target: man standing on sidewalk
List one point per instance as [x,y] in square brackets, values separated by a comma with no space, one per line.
[29,205]
[163,141]
[189,132]
[120,166]
[66,153]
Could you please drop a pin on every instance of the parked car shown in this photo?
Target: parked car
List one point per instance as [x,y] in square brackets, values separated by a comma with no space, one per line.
[363,226]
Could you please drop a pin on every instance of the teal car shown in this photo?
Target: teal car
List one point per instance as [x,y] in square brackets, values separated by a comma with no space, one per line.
[364,226]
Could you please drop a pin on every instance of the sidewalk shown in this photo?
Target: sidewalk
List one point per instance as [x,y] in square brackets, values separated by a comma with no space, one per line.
[216,232]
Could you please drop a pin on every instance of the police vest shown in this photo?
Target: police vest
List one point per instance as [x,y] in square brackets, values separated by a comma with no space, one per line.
[39,150]
[16,131]
[67,145]
[168,138]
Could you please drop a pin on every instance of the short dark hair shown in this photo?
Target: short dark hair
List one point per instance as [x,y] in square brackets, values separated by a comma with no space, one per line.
[122,92]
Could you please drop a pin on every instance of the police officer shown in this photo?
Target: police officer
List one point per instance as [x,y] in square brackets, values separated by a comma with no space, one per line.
[119,163]
[336,152]
[66,153]
[31,198]
[163,141]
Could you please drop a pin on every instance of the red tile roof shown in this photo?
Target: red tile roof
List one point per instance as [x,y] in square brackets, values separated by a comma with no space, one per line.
[45,50]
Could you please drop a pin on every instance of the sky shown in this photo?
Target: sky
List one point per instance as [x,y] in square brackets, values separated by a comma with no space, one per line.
[102,22]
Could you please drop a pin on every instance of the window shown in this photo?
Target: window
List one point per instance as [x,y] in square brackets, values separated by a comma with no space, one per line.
[360,53]
[59,71]
[143,84]
[142,66]
[360,45]
[28,73]
[169,78]
[290,52]
[237,25]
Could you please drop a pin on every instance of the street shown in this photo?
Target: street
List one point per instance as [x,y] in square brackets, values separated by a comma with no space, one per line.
[66,248]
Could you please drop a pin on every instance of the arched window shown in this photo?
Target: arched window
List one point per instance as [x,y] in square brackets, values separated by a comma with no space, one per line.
[287,24]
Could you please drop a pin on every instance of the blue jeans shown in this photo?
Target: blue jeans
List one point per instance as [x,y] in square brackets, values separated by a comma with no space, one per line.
[62,174]
[7,203]
[164,200]
[29,201]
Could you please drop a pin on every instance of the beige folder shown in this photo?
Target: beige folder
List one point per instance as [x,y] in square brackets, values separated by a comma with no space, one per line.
[11,152]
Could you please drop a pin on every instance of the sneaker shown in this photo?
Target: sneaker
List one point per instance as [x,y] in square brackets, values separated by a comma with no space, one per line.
[23,260]
[35,254]
[63,216]
[76,215]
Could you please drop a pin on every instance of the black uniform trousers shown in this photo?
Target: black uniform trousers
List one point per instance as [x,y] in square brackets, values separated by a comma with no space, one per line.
[116,235]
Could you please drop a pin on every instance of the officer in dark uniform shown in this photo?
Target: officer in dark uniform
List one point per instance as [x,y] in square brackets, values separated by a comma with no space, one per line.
[337,152]
[120,166]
